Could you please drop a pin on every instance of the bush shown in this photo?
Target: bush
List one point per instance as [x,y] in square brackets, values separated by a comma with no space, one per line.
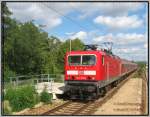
[8,73]
[21,98]
[46,97]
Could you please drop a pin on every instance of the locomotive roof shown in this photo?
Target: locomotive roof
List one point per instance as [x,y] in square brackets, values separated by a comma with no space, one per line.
[86,52]
[99,52]
[93,52]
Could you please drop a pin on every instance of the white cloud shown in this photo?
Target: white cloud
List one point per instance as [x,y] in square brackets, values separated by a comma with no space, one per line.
[145,45]
[122,38]
[126,45]
[81,35]
[102,38]
[111,9]
[119,21]
[128,50]
[132,38]
[131,53]
[35,11]
[53,22]
[40,11]
[69,33]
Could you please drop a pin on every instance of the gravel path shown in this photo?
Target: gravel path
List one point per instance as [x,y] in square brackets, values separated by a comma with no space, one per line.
[127,101]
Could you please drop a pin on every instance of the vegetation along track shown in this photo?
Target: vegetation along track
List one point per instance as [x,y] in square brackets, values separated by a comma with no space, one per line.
[84,108]
[144,108]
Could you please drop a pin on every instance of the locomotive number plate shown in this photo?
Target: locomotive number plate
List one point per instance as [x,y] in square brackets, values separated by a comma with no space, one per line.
[81,72]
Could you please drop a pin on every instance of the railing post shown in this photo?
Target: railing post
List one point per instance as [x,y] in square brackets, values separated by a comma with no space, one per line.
[17,81]
[48,77]
[51,85]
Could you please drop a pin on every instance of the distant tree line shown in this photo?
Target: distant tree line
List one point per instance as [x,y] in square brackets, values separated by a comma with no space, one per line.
[29,50]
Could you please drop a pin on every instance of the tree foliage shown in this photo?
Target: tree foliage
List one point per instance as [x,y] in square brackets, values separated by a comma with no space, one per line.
[64,47]
[29,50]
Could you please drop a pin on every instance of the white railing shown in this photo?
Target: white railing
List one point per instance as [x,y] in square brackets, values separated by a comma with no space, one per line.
[34,79]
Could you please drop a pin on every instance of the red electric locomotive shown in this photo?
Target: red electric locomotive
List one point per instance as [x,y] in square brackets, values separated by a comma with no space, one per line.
[89,72]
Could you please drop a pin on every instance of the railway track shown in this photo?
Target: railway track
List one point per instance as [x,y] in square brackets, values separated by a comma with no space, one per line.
[84,108]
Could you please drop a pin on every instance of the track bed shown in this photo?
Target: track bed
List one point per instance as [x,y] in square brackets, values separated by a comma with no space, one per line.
[84,108]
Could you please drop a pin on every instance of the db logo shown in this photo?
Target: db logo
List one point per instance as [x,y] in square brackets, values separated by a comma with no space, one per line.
[81,72]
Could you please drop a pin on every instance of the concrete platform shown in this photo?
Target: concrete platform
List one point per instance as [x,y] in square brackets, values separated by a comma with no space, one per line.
[127,101]
[56,88]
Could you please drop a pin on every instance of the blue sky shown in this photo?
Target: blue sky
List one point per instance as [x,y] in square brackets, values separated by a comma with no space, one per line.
[124,24]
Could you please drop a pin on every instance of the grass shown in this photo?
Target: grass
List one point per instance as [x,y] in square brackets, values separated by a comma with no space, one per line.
[140,73]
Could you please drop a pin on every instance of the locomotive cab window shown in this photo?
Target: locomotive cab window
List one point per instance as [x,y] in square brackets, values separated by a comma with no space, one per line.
[88,60]
[74,60]
[82,60]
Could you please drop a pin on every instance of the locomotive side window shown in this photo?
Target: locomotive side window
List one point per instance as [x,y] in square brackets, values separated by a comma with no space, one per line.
[88,60]
[74,60]
[102,59]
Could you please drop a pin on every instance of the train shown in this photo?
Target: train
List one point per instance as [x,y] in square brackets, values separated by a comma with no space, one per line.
[90,72]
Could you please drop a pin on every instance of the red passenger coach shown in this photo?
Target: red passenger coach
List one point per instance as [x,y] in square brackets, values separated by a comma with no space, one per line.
[89,72]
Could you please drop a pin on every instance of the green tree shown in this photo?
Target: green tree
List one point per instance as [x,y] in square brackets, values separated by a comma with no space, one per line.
[29,50]
[53,47]
[9,26]
[76,44]
[31,47]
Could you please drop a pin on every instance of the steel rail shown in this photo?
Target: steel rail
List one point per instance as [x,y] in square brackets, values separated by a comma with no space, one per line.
[82,108]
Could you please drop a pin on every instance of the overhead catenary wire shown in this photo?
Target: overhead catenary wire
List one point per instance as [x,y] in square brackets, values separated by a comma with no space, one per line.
[67,17]
[70,19]
[73,7]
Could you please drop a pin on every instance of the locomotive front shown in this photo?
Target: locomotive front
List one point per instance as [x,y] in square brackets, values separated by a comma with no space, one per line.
[81,74]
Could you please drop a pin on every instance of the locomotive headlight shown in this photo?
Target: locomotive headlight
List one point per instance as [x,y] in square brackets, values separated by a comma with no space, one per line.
[93,78]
